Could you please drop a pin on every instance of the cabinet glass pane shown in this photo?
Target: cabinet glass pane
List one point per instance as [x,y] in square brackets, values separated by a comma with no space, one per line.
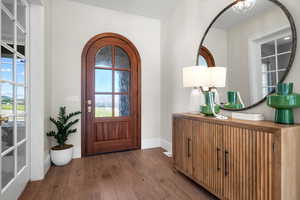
[122,59]
[103,80]
[122,81]
[21,13]
[21,39]
[9,4]
[20,95]
[20,70]
[268,49]
[283,61]
[6,71]
[21,128]
[269,63]
[284,44]
[104,57]
[103,105]
[7,29]
[122,105]
[8,169]
[7,100]
[7,134]
[21,156]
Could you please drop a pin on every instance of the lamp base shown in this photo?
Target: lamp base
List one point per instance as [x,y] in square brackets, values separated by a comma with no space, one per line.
[284,116]
[233,106]
[208,111]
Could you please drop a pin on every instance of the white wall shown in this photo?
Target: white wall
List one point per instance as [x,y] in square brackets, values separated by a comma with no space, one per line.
[37,93]
[72,25]
[181,35]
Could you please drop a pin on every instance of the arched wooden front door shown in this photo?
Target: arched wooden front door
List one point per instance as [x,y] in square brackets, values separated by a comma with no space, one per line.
[110,95]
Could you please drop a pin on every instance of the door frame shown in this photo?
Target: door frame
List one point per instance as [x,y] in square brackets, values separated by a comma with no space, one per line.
[84,85]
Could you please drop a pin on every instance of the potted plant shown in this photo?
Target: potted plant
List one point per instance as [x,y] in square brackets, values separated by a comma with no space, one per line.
[62,153]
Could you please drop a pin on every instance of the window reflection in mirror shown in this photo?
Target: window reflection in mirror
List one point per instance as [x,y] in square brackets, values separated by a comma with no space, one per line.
[256,48]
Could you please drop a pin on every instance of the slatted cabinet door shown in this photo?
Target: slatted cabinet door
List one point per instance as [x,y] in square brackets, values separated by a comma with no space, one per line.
[182,130]
[247,164]
[207,152]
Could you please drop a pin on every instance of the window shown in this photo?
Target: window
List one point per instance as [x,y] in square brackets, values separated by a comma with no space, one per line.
[13,87]
[112,82]
[275,56]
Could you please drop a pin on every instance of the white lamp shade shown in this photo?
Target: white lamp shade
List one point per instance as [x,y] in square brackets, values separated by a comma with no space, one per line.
[199,76]
[217,76]
[195,76]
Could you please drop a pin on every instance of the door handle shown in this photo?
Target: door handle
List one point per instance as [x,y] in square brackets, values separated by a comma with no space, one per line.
[89,109]
[218,159]
[89,102]
[226,154]
[3,119]
[189,140]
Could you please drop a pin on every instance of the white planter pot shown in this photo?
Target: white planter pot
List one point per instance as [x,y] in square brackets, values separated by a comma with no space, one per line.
[61,157]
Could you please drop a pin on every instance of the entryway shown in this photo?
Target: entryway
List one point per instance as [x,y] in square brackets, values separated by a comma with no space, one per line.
[110,95]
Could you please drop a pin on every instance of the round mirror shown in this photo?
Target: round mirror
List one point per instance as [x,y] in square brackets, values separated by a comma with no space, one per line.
[257,44]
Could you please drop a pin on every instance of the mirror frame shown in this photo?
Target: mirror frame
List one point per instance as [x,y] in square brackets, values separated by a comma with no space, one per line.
[294,46]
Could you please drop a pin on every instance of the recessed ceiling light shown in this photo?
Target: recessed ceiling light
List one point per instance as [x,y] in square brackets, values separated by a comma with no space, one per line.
[287,38]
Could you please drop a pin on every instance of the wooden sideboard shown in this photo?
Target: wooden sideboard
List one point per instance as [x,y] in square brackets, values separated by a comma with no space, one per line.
[237,159]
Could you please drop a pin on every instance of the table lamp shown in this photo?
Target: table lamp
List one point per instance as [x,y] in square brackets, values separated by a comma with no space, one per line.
[207,79]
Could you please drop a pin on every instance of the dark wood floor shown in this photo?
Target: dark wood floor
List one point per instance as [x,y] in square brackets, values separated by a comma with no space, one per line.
[132,175]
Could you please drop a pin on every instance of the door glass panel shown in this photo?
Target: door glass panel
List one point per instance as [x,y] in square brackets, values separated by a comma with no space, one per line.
[8,168]
[20,70]
[21,10]
[122,59]
[122,81]
[21,38]
[21,155]
[103,105]
[20,100]
[7,99]
[202,61]
[104,57]
[122,107]
[7,29]
[268,49]
[9,4]
[21,128]
[6,64]
[7,132]
[103,80]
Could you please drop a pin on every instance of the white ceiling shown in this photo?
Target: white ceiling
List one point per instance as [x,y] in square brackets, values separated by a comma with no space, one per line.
[231,18]
[148,8]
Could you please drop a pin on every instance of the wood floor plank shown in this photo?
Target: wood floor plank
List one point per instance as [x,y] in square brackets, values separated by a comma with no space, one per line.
[131,175]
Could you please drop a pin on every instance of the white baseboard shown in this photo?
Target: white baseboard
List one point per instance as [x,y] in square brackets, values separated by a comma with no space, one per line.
[166,145]
[47,164]
[151,143]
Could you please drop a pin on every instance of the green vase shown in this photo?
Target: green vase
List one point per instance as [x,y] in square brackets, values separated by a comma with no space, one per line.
[207,109]
[233,101]
[284,101]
